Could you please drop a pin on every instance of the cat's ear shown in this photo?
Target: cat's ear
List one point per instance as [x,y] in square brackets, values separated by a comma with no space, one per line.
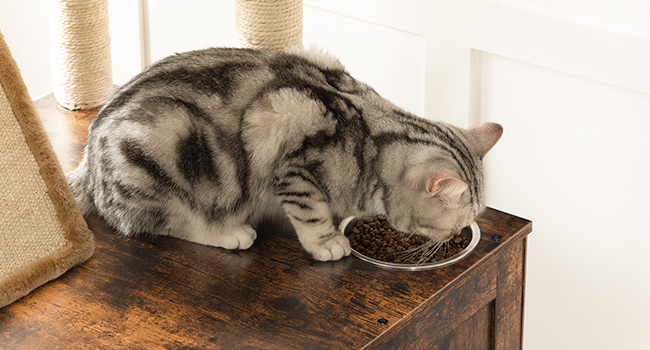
[485,136]
[445,187]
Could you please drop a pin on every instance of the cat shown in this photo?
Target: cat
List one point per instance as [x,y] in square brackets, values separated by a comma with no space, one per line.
[202,145]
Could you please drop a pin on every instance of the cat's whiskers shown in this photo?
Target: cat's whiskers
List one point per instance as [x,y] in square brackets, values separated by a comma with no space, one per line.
[432,247]
[423,253]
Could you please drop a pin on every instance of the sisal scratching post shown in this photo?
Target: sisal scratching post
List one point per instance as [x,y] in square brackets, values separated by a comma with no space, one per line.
[269,24]
[81,56]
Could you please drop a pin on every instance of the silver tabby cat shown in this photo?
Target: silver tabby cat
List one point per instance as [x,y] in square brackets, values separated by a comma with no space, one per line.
[203,145]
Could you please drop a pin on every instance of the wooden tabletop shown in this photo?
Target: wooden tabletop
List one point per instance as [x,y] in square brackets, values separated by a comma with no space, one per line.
[163,293]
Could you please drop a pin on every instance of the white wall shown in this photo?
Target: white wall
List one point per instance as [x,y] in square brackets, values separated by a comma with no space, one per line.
[628,17]
[568,79]
[25,26]
[126,54]
[575,158]
[197,24]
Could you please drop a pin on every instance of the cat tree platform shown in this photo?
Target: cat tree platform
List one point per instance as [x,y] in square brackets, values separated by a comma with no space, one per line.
[163,293]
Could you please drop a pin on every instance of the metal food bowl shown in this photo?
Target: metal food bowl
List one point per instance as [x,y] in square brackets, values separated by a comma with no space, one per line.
[349,223]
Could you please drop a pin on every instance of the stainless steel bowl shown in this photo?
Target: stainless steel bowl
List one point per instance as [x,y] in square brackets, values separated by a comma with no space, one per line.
[347,225]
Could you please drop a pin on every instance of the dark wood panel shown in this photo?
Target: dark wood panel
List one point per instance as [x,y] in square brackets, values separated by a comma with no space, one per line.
[430,323]
[509,305]
[475,333]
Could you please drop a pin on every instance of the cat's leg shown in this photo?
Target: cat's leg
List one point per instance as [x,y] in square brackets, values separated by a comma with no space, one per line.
[311,217]
[241,237]
[321,238]
[228,235]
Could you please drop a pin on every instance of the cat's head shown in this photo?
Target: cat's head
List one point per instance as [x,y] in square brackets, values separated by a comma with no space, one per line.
[435,189]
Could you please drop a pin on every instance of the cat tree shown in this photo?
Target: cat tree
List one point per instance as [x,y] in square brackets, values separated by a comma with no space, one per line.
[81,58]
[81,53]
[269,25]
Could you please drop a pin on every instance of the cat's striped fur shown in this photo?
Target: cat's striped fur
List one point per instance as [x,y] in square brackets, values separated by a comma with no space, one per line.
[204,144]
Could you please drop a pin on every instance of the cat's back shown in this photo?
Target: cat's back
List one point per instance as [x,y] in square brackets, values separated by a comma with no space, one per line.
[201,82]
[218,82]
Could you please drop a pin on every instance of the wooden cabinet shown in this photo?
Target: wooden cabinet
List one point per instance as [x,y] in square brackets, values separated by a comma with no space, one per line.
[482,308]
[162,293]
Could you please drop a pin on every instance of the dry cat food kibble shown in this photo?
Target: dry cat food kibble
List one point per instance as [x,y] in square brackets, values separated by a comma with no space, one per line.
[377,239]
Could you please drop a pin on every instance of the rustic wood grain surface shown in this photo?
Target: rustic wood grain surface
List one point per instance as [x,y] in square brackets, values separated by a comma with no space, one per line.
[151,292]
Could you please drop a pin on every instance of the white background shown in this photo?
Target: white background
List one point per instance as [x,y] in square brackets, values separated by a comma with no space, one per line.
[568,79]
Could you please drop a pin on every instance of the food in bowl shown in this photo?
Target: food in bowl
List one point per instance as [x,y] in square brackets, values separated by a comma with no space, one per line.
[375,238]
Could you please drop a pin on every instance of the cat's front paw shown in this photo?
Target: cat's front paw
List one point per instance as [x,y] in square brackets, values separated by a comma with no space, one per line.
[330,248]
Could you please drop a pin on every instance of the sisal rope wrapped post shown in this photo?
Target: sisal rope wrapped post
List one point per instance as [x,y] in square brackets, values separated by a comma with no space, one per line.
[81,57]
[269,24]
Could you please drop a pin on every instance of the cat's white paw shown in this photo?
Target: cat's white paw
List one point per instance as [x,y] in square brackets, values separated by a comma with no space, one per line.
[334,248]
[238,238]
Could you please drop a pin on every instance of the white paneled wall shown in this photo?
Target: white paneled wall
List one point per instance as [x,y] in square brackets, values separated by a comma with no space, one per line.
[575,158]
[621,16]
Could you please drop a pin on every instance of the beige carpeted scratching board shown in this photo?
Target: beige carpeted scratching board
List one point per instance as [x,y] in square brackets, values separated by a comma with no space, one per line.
[42,232]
